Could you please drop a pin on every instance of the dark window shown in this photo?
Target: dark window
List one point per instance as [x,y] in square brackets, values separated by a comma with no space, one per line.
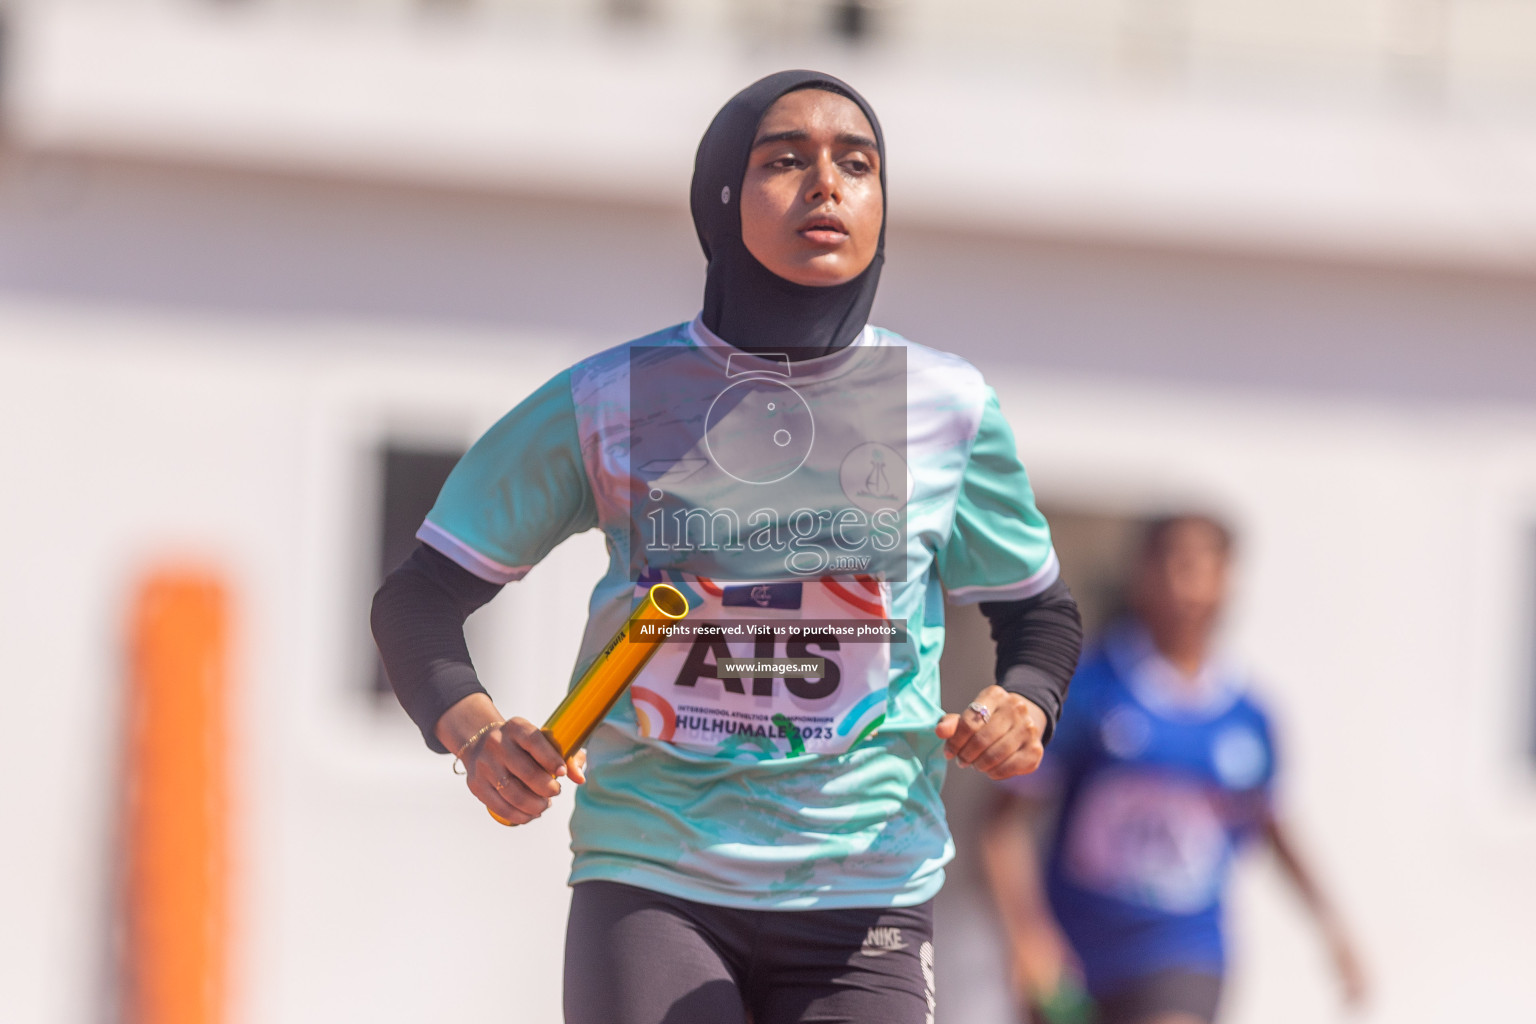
[1096,548]
[412,476]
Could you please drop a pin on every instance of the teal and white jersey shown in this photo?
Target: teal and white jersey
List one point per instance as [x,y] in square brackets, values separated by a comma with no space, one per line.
[821,496]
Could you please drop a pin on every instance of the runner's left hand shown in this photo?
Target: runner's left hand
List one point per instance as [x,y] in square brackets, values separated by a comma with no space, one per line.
[1006,744]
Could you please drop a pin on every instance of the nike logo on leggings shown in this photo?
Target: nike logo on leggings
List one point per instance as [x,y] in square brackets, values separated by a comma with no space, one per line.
[881,941]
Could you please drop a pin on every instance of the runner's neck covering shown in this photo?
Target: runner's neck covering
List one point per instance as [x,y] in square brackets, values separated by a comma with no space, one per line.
[745,303]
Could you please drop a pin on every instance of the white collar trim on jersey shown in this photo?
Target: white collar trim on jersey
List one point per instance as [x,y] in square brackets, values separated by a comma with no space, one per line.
[1161,685]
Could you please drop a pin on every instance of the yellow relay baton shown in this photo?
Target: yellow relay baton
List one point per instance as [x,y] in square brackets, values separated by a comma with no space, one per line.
[614,669]
[620,660]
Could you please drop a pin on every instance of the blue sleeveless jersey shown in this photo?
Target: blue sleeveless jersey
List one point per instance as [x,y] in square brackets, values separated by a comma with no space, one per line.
[1158,790]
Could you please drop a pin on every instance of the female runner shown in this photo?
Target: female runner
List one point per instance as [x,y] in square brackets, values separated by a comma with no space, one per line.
[1163,772]
[755,847]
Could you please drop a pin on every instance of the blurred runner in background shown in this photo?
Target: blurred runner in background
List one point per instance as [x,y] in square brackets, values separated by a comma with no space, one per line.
[1161,768]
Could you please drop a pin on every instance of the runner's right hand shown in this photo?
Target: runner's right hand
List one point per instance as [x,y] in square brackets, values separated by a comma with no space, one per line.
[515,771]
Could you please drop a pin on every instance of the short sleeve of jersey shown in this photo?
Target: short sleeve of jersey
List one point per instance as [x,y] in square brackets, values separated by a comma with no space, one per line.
[1271,759]
[1274,753]
[519,491]
[1000,546]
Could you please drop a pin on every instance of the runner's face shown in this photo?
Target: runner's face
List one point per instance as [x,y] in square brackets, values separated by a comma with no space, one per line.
[811,205]
[1183,587]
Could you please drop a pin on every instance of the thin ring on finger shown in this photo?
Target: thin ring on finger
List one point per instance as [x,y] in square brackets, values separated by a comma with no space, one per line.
[982,711]
[502,784]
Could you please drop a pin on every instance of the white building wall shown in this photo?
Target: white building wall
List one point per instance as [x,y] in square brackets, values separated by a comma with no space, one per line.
[370,886]
[1386,599]
[224,281]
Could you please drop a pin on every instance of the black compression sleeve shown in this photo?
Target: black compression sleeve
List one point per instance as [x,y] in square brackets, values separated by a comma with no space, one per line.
[1038,641]
[418,622]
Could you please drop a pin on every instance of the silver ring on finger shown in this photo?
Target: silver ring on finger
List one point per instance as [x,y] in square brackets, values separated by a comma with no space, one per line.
[982,711]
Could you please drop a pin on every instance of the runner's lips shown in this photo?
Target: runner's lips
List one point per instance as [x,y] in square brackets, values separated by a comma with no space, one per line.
[824,227]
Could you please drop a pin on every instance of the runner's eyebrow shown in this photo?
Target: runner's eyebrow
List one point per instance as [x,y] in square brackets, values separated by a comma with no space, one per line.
[800,135]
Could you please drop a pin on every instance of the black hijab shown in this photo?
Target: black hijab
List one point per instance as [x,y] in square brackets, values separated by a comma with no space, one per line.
[745,303]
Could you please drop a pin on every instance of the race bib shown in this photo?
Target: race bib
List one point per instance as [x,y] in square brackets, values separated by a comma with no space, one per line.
[769,670]
[1150,839]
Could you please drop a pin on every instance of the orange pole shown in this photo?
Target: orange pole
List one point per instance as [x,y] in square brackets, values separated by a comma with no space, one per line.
[178,809]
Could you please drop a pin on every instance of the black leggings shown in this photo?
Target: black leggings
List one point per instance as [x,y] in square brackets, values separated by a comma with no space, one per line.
[1190,992]
[633,956]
